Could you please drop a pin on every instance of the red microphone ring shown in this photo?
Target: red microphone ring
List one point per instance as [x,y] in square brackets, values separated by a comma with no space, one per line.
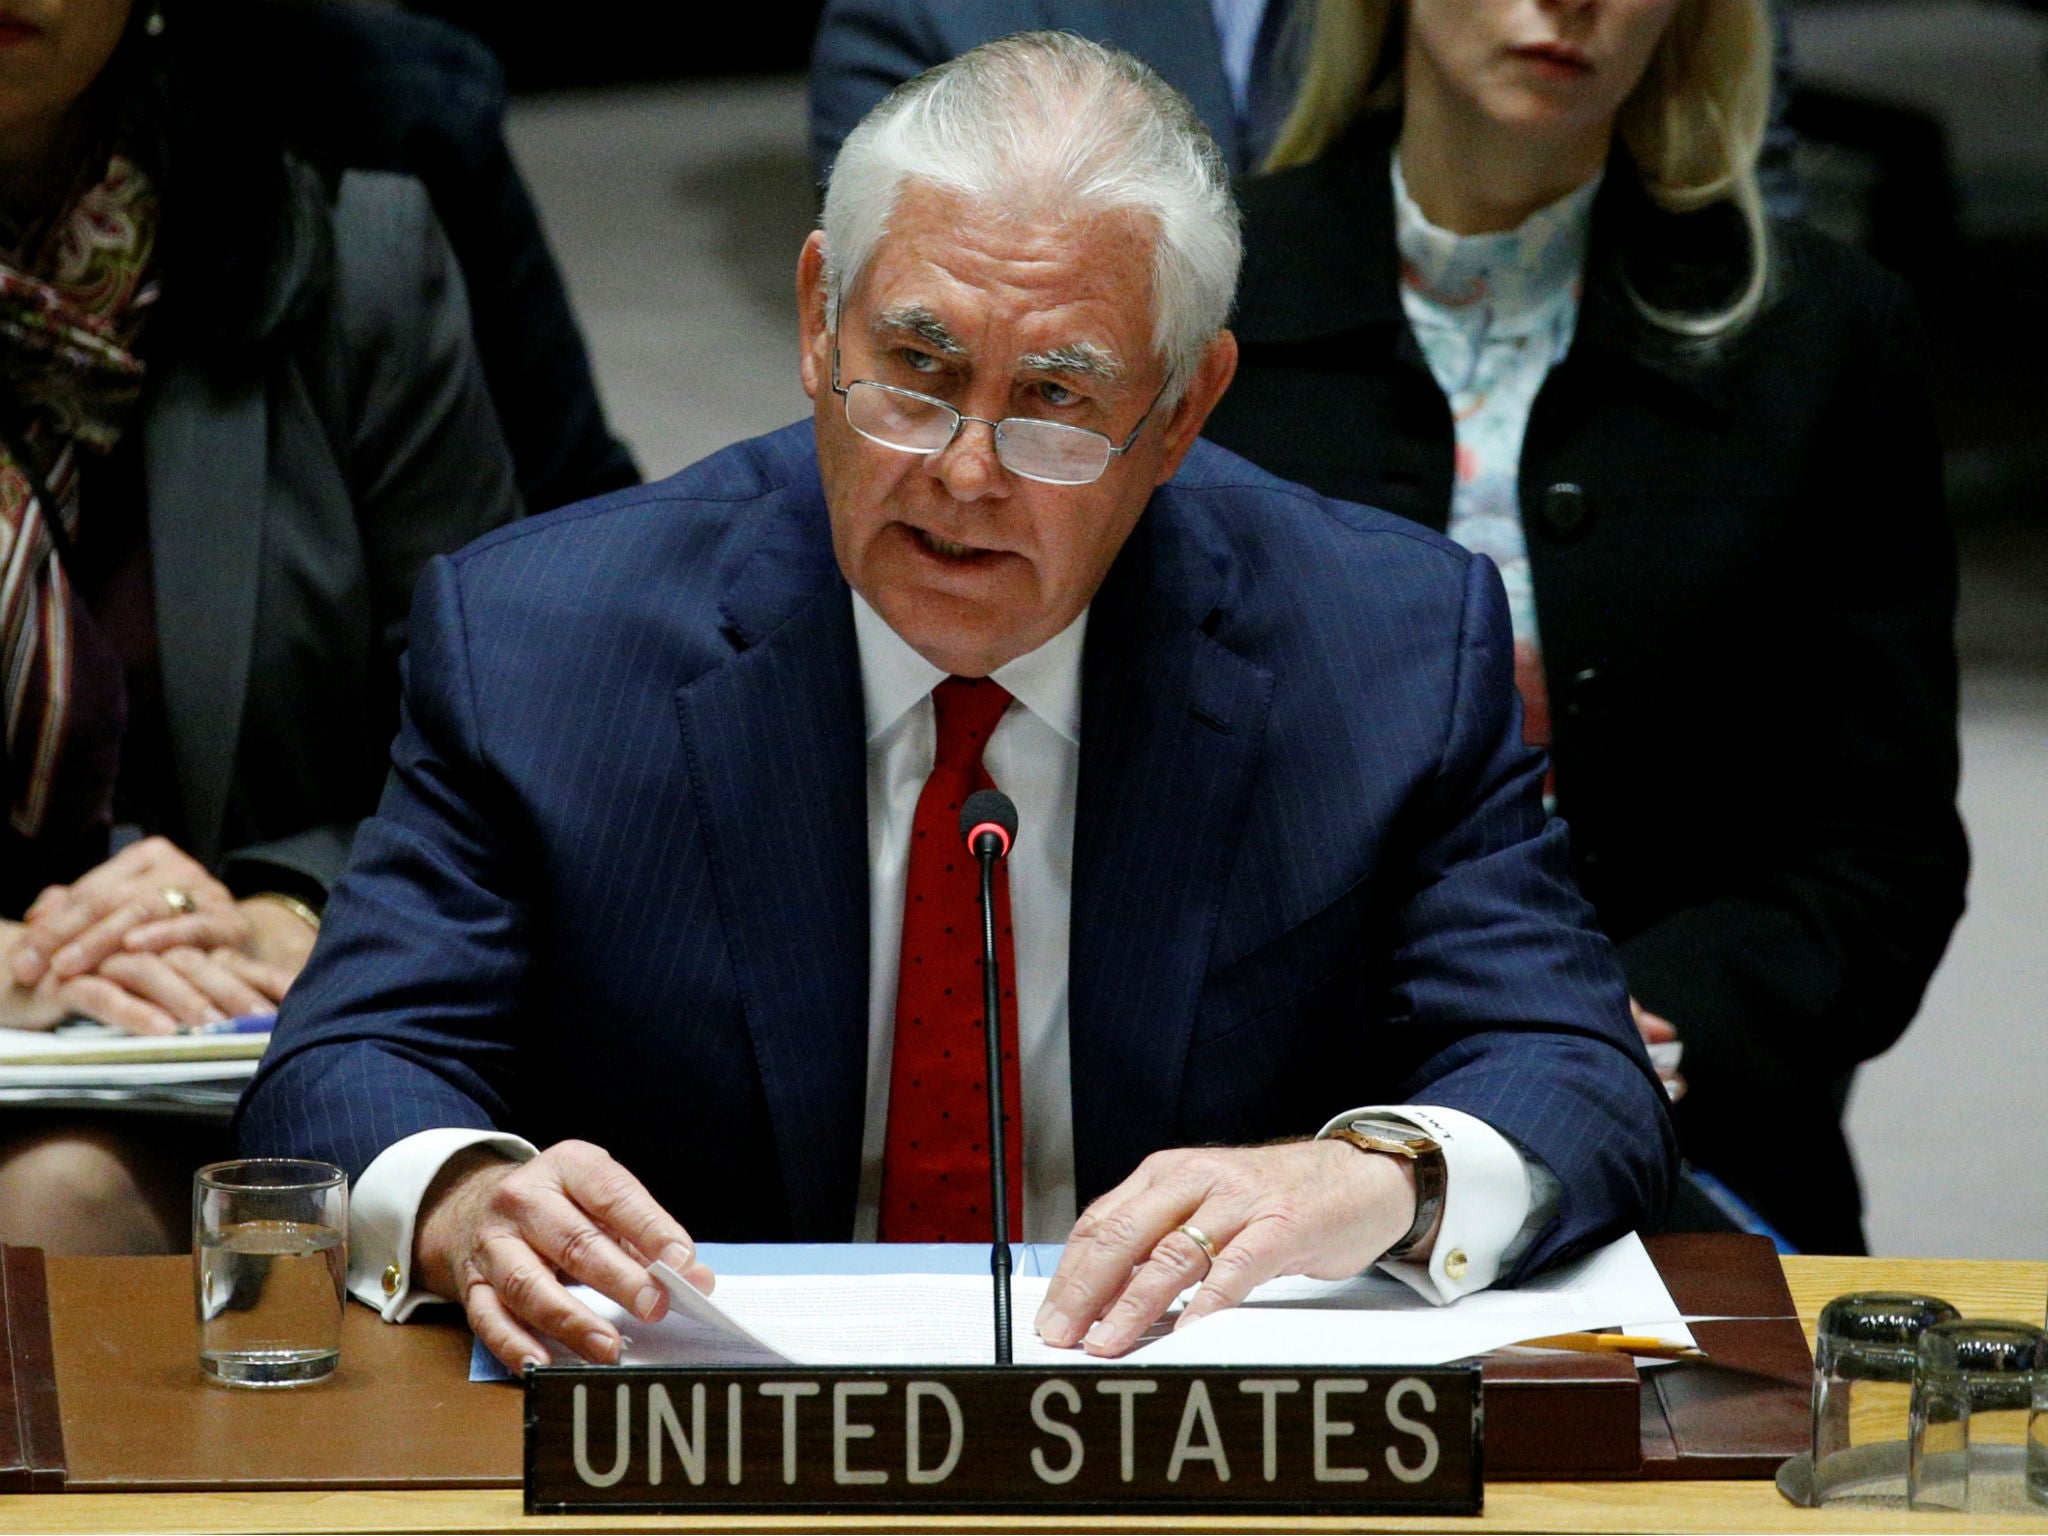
[974,836]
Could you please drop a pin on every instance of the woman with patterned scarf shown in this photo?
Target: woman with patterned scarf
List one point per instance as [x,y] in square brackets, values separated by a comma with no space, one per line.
[239,409]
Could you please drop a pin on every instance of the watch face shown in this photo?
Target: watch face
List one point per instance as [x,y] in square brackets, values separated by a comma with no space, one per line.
[1406,1138]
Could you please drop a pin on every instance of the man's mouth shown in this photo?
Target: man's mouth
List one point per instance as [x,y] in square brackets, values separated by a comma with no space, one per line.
[947,549]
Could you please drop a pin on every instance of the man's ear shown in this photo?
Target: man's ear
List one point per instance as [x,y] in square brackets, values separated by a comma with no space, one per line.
[814,358]
[1212,377]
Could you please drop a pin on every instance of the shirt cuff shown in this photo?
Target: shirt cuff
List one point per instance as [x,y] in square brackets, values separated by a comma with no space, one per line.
[384,1207]
[1488,1192]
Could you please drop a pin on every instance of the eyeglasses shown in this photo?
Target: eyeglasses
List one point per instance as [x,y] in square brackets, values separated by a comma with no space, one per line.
[1047,451]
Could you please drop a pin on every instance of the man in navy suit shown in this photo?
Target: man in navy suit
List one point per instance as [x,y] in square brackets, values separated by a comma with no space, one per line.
[653,864]
[1236,61]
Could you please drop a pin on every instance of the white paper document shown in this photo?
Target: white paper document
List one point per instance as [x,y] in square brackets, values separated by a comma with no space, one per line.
[1372,1319]
[91,1066]
[101,1050]
[837,1320]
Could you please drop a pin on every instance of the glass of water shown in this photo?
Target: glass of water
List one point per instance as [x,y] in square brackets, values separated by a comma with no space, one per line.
[269,1261]
[1971,1395]
[2037,1426]
[1865,1353]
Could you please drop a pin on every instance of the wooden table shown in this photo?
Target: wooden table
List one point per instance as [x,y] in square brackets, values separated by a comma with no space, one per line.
[1980,1289]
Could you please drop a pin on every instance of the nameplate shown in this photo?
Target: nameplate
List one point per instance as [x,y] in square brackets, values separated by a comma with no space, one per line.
[1305,1440]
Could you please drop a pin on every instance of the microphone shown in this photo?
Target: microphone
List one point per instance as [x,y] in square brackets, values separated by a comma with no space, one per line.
[988,825]
[990,814]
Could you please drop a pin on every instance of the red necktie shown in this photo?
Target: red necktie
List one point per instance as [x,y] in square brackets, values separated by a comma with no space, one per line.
[935,1160]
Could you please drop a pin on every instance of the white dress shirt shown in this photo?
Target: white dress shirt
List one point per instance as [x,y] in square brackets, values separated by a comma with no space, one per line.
[1494,1200]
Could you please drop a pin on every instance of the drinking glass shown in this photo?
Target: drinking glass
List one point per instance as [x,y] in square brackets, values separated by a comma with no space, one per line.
[1972,1392]
[2037,1427]
[1864,1354]
[269,1260]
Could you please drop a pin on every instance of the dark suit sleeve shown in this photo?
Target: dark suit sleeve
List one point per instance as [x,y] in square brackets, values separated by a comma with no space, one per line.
[402,1020]
[426,465]
[864,50]
[1507,993]
[1817,961]
[394,90]
[527,338]
[304,864]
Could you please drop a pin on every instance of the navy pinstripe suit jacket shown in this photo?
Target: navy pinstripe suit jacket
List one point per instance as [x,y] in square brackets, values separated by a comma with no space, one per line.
[617,886]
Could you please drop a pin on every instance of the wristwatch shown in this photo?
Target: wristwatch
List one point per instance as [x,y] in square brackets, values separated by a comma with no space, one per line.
[1392,1138]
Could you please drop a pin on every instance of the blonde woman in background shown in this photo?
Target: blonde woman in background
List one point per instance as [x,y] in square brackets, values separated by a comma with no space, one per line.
[1508,274]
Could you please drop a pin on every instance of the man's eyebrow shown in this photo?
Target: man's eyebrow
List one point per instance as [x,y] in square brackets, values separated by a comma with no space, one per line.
[915,320]
[1083,359]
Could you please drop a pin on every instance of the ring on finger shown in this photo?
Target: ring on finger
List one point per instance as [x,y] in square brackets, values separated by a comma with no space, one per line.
[179,900]
[1199,1238]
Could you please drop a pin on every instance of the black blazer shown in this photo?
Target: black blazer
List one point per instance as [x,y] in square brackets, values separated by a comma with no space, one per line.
[1745,588]
[290,513]
[375,88]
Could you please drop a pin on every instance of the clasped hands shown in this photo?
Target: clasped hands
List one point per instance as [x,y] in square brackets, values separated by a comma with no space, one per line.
[508,1240]
[149,942]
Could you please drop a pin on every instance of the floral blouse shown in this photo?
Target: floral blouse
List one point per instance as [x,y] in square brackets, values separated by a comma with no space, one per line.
[1493,315]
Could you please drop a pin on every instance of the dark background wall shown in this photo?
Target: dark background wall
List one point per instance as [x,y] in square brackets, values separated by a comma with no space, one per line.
[1925,139]
[615,42]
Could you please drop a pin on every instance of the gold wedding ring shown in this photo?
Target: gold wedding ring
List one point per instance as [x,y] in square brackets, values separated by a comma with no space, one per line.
[180,901]
[1199,1238]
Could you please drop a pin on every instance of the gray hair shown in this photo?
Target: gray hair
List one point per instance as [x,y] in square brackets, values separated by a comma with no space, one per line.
[1047,121]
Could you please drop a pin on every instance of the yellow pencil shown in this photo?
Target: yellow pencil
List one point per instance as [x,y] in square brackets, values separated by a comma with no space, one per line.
[1617,1344]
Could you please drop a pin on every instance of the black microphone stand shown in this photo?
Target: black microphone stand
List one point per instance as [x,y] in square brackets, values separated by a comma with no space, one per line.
[990,821]
[998,1176]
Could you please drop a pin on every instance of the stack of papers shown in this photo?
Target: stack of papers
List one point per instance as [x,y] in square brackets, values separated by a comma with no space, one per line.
[945,1319]
[82,1065]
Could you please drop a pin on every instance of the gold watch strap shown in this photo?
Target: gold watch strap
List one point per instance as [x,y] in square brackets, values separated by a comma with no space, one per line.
[293,905]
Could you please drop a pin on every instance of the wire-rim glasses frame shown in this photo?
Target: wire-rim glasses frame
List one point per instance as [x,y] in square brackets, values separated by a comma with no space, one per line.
[1011,433]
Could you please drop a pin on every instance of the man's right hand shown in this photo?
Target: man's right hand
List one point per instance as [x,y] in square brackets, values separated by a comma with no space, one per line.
[507,1239]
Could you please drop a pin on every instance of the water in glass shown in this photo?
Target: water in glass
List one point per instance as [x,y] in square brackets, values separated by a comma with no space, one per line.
[270,1301]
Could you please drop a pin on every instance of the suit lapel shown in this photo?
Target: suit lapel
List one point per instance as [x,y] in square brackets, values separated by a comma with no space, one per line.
[204,460]
[1171,725]
[775,743]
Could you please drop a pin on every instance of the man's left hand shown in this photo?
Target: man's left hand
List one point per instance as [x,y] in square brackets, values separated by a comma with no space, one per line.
[1318,1208]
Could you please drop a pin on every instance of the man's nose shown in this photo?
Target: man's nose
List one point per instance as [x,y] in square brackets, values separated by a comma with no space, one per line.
[968,466]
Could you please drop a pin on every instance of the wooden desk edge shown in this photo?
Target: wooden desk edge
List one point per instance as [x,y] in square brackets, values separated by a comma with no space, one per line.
[1543,1507]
